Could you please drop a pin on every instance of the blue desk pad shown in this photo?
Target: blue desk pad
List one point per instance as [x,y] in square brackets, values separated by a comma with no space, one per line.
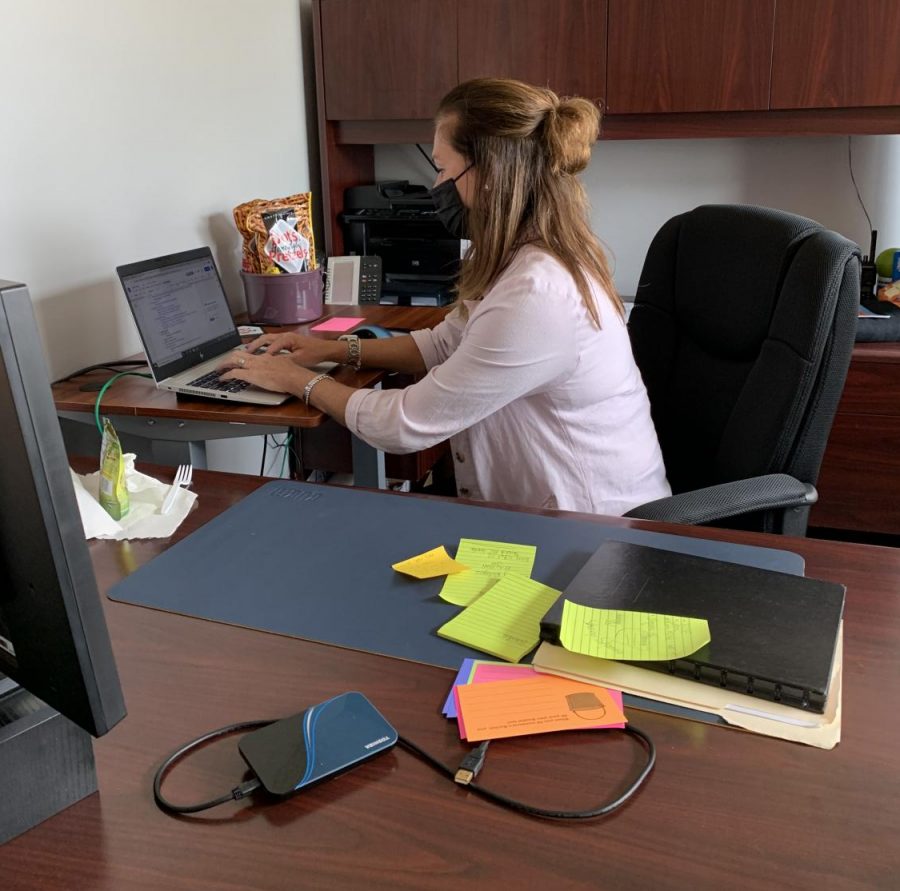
[314,562]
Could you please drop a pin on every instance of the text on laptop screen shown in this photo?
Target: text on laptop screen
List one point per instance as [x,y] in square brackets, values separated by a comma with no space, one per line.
[178,308]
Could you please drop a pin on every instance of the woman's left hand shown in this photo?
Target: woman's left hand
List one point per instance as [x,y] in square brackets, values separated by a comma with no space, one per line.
[276,373]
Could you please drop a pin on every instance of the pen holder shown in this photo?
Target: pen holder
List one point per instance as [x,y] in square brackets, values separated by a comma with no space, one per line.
[285,299]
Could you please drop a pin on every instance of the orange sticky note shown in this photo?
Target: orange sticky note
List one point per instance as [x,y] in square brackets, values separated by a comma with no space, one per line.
[540,704]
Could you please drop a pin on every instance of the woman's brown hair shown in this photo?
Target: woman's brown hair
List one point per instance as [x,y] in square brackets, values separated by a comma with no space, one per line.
[526,145]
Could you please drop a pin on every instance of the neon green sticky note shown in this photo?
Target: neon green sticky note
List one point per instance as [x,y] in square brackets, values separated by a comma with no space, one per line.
[623,634]
[487,562]
[505,621]
[430,564]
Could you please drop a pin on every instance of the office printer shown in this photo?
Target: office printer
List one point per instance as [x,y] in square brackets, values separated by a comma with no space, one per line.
[396,221]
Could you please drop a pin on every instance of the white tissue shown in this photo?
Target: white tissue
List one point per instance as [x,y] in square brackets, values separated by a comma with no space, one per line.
[143,520]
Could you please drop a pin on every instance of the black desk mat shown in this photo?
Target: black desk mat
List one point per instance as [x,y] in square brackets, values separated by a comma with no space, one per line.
[315,562]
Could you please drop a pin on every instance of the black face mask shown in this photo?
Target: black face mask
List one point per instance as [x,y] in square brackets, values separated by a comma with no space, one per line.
[450,209]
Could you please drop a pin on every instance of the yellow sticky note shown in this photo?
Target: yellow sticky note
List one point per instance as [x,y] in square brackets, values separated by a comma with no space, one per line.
[623,634]
[487,562]
[430,564]
[505,621]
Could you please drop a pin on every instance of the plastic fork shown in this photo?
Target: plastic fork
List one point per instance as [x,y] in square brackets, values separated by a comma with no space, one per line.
[182,479]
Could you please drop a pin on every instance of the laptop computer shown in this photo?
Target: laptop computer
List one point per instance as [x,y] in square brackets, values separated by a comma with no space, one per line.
[186,326]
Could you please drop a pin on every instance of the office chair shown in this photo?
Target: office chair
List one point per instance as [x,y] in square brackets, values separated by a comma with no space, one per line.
[742,326]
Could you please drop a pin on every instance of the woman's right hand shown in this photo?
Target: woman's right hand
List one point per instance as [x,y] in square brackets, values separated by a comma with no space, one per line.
[307,351]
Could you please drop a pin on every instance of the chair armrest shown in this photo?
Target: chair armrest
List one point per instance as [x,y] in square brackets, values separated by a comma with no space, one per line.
[775,491]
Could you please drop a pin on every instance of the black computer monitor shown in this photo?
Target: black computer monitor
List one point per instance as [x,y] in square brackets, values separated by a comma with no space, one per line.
[53,636]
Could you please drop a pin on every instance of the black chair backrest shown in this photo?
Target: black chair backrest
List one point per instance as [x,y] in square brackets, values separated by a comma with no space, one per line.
[743,326]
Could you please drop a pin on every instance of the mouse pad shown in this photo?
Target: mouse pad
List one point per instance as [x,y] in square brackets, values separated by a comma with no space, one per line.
[314,562]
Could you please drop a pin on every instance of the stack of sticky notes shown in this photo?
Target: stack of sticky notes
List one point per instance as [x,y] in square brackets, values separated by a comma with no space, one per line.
[503,606]
[491,700]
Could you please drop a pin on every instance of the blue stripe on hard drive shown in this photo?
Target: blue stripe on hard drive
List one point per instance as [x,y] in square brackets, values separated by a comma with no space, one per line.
[309,737]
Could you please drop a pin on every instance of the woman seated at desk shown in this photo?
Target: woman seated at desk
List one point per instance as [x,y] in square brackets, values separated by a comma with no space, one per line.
[531,374]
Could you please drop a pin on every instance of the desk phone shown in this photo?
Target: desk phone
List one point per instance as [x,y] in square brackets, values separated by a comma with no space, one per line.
[353,280]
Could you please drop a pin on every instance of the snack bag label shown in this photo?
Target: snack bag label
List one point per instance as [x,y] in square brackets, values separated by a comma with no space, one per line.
[286,247]
[113,494]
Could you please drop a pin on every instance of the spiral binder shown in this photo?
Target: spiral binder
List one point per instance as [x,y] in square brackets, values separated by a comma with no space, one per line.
[752,685]
[773,635]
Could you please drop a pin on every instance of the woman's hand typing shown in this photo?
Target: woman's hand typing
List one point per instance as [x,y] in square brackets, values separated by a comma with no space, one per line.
[303,350]
[279,374]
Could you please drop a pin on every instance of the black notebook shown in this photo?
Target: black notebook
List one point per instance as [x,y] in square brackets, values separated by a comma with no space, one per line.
[773,635]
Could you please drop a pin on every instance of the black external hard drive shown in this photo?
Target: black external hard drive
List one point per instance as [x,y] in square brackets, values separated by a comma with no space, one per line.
[316,744]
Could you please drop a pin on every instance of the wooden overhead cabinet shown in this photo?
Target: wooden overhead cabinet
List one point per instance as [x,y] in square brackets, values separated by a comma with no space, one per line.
[659,68]
[836,54]
[385,59]
[561,44]
[689,55]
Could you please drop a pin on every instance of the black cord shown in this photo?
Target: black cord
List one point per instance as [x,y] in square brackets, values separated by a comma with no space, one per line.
[469,769]
[105,366]
[427,157]
[275,444]
[853,180]
[473,761]
[262,464]
[291,442]
[236,793]
[297,450]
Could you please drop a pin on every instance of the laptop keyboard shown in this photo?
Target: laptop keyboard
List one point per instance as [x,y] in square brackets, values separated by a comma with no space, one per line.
[212,381]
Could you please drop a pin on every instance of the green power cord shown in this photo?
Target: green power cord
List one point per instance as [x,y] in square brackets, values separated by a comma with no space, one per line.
[105,387]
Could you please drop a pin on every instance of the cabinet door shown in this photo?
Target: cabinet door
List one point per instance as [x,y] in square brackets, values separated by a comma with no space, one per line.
[689,55]
[387,59]
[561,45]
[836,53]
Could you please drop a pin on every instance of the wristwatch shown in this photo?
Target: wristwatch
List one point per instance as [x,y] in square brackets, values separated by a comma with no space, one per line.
[354,359]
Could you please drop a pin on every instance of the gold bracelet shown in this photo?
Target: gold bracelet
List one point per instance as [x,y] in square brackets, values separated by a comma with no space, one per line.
[309,387]
[354,353]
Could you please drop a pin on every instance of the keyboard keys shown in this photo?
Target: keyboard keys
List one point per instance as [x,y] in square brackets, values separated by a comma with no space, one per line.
[212,381]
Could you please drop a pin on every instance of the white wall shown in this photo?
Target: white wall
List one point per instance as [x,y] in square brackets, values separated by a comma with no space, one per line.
[635,186]
[130,130]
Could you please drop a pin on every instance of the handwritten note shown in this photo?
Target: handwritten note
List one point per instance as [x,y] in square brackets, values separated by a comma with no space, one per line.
[487,562]
[622,634]
[540,704]
[505,621]
[338,323]
[430,564]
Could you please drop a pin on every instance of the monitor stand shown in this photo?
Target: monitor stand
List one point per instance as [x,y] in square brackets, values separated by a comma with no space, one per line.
[48,762]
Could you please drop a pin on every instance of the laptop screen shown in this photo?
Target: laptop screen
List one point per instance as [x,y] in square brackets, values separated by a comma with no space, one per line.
[180,309]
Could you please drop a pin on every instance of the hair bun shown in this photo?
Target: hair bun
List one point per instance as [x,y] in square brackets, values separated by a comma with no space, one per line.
[571,127]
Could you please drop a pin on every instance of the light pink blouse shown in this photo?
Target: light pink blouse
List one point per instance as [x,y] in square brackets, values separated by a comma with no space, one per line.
[541,408]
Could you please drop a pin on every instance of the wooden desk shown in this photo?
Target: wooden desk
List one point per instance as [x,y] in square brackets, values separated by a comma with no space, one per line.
[137,407]
[859,484]
[723,808]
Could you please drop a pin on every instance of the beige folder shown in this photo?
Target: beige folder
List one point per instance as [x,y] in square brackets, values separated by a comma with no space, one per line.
[737,709]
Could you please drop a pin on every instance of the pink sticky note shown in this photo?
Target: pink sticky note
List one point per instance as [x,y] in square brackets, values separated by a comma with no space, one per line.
[338,323]
[499,671]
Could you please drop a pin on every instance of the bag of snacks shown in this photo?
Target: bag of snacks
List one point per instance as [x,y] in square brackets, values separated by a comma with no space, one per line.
[113,494]
[277,234]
